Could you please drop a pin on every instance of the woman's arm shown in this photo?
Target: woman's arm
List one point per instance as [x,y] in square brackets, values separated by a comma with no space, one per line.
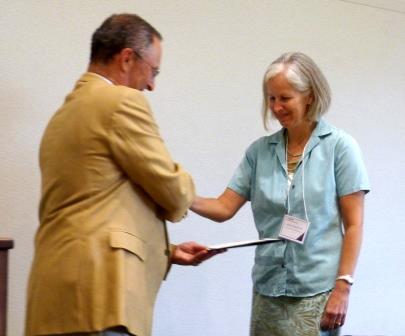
[352,208]
[219,209]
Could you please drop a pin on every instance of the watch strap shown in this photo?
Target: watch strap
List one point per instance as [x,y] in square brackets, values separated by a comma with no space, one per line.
[346,277]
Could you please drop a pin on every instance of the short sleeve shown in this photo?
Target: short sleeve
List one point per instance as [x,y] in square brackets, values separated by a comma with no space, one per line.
[350,171]
[241,181]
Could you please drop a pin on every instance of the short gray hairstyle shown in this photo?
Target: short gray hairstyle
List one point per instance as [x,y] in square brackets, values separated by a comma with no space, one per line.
[305,76]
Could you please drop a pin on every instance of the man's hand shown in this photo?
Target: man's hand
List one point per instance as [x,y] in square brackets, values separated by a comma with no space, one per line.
[191,253]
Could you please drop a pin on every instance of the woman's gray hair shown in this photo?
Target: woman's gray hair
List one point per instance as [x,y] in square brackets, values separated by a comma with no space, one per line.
[305,76]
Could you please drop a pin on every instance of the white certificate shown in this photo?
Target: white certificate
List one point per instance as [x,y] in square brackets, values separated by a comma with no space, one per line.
[244,243]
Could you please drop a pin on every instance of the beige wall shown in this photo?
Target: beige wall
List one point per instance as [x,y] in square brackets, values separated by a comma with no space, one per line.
[207,102]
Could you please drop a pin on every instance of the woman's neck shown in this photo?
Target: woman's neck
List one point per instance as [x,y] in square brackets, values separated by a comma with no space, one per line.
[298,137]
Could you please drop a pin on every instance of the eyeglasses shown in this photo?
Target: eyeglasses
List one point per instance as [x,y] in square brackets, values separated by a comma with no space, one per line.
[155,70]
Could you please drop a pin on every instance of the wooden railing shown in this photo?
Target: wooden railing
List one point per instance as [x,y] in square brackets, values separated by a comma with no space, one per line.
[5,245]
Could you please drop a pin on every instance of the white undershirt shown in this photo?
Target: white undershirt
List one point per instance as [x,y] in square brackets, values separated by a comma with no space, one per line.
[290,178]
[104,78]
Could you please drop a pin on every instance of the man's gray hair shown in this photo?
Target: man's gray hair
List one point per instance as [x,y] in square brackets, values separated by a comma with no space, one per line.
[121,31]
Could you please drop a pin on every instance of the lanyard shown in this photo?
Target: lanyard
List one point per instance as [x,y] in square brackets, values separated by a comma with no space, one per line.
[302,178]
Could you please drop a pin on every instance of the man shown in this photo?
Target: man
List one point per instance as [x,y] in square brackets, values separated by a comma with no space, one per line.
[108,184]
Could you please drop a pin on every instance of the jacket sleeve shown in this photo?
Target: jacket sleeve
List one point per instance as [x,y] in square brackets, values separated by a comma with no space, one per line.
[139,150]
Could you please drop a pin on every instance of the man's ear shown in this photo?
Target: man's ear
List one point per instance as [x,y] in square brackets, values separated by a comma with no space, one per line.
[126,58]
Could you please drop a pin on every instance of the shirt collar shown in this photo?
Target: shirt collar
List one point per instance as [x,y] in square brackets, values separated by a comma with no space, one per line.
[322,128]
[102,77]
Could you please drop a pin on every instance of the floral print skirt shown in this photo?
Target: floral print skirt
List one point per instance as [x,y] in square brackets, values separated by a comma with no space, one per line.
[288,316]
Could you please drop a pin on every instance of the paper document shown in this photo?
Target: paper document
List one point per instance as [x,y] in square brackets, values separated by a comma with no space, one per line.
[244,243]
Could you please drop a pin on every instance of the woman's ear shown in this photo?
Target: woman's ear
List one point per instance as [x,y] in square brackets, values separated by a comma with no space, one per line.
[310,99]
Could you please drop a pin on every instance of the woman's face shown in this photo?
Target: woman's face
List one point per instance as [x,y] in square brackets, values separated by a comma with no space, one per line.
[288,105]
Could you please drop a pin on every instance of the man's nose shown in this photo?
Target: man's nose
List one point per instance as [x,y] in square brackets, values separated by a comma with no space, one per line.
[150,86]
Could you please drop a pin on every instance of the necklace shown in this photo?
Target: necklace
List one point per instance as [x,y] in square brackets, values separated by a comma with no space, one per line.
[294,155]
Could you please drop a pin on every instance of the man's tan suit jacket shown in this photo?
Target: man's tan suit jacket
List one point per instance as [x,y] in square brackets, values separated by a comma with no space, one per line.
[108,184]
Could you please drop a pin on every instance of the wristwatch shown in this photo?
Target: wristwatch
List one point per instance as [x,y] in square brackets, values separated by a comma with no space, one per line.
[347,277]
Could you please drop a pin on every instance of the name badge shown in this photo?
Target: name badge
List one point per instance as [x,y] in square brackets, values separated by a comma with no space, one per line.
[294,229]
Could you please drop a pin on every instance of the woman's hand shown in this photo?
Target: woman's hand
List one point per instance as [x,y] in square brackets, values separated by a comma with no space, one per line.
[335,311]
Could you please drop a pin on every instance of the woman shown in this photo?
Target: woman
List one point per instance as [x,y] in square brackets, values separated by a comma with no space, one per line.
[303,182]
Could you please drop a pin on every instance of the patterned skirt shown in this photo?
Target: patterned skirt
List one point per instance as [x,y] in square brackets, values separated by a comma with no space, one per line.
[288,316]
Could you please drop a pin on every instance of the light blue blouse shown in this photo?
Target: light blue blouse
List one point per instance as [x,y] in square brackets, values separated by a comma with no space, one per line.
[333,168]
